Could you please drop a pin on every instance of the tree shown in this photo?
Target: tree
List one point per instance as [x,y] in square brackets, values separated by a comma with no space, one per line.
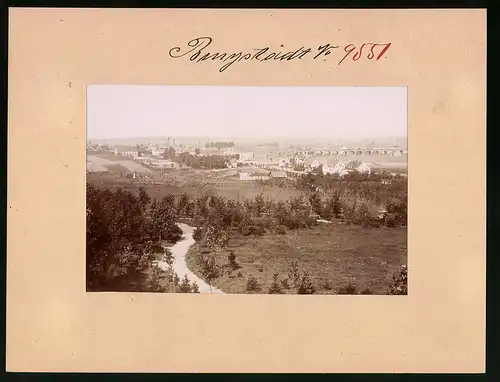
[259,204]
[209,269]
[197,151]
[182,203]
[333,206]
[233,264]
[400,282]
[157,278]
[215,237]
[169,153]
[187,287]
[316,204]
[162,219]
[305,285]
[294,273]
[144,198]
[275,287]
[252,284]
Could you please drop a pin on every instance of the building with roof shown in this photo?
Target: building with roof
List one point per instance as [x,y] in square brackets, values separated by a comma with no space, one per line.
[378,168]
[127,151]
[277,174]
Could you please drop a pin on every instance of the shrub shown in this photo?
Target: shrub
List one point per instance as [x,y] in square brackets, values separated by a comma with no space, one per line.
[197,234]
[209,269]
[305,285]
[285,284]
[294,273]
[157,280]
[366,291]
[327,285]
[173,234]
[195,288]
[400,282]
[275,287]
[233,264]
[390,220]
[364,216]
[280,229]
[252,229]
[252,284]
[397,209]
[240,274]
[167,257]
[186,287]
[348,289]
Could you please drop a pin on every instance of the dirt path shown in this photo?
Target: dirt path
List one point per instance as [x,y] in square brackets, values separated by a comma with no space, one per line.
[179,251]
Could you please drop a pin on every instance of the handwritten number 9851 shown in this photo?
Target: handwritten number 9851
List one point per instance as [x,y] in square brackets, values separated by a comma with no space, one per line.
[357,55]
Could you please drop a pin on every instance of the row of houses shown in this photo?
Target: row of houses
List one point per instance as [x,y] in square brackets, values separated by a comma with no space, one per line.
[340,167]
[158,163]
[252,175]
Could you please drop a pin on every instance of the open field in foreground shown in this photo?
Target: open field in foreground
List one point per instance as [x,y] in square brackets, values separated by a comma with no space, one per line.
[334,255]
[105,163]
[229,188]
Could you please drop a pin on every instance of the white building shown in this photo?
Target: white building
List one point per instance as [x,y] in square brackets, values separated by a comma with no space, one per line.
[246,155]
[157,152]
[127,151]
[251,176]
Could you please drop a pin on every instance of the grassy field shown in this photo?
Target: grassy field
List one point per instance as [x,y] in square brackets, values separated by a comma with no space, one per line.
[334,256]
[177,182]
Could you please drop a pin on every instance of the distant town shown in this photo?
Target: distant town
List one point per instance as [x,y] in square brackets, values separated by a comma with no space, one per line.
[249,159]
[212,215]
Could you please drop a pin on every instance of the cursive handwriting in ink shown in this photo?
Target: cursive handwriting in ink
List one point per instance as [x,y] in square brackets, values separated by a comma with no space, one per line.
[197,46]
[325,49]
[351,48]
[197,51]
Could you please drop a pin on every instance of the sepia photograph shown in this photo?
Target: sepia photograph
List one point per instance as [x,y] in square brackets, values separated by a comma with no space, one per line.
[247,189]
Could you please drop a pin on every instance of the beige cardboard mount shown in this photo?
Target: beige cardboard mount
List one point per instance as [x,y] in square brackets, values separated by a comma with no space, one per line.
[54,325]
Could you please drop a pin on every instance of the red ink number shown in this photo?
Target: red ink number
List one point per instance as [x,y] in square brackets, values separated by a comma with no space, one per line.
[348,49]
[357,55]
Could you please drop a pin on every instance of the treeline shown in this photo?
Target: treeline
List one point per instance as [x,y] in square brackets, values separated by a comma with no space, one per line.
[123,237]
[376,188]
[207,162]
[258,215]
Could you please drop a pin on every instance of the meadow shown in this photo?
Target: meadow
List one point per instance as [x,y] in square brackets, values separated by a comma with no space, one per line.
[336,256]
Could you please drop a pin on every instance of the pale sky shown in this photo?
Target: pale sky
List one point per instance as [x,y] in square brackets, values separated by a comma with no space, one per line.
[129,111]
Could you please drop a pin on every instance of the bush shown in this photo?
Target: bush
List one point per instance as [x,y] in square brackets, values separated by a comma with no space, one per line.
[240,274]
[327,285]
[156,281]
[348,289]
[275,287]
[305,286]
[280,229]
[198,234]
[285,284]
[396,212]
[366,291]
[294,273]
[233,264]
[364,216]
[252,284]
[391,220]
[173,234]
[400,282]
[247,230]
[186,287]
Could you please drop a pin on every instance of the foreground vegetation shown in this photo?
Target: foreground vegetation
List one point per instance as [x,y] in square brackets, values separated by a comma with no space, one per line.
[257,244]
[326,259]
[124,235]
